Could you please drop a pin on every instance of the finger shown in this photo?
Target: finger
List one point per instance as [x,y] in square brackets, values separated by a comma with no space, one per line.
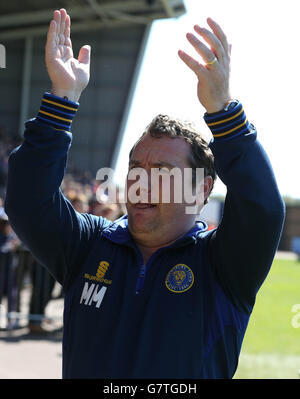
[51,44]
[68,31]
[57,18]
[201,48]
[63,15]
[51,35]
[212,40]
[219,33]
[84,55]
[67,26]
[194,65]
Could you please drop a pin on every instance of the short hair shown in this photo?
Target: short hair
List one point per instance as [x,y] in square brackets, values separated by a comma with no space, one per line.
[201,155]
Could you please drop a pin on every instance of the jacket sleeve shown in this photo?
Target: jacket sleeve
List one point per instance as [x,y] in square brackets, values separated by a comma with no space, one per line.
[244,244]
[46,222]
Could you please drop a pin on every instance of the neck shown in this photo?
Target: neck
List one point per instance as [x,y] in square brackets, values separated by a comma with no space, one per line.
[146,252]
[148,249]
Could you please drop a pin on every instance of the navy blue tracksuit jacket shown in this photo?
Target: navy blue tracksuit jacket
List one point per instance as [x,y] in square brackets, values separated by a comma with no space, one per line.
[184,313]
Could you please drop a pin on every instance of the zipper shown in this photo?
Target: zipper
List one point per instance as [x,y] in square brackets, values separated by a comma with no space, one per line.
[142,272]
[141,279]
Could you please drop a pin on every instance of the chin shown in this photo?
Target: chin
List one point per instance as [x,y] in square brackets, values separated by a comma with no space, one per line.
[140,225]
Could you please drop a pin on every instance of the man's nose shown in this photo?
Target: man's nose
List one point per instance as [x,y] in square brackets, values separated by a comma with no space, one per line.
[145,187]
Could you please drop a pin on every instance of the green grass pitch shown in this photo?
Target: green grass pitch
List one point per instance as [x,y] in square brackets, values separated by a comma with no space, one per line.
[271,348]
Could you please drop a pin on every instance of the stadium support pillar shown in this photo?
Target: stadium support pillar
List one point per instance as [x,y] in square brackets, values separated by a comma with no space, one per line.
[130,96]
[26,79]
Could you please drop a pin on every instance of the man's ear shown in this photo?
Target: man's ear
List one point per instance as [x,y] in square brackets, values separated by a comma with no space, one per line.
[203,190]
[208,183]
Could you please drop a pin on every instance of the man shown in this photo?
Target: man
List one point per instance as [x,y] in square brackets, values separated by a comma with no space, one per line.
[152,295]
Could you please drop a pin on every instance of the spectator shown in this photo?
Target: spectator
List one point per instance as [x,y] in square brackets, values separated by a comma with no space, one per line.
[79,201]
[42,287]
[8,286]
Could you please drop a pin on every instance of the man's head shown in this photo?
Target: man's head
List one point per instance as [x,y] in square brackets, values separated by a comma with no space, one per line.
[168,143]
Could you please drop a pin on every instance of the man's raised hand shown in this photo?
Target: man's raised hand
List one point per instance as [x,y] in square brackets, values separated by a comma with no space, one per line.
[213,77]
[69,75]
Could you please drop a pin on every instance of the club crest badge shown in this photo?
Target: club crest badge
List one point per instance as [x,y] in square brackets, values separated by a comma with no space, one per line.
[180,278]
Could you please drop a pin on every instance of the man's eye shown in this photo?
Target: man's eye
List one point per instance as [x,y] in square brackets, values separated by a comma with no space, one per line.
[164,169]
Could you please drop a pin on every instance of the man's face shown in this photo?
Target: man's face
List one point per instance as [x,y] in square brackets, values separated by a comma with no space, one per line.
[152,219]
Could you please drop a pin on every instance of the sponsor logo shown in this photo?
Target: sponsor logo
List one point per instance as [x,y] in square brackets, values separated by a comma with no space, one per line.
[100,274]
[180,278]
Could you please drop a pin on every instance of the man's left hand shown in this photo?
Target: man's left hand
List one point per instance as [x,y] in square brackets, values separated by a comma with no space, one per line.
[213,76]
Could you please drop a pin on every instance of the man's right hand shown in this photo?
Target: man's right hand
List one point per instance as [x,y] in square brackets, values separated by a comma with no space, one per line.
[69,76]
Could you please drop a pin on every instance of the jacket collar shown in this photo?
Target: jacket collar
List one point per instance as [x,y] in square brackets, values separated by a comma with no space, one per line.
[119,233]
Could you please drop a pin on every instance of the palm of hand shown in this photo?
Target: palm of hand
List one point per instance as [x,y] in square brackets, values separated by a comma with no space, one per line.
[66,72]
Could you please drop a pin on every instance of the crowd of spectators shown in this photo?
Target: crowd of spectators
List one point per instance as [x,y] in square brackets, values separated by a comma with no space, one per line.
[16,261]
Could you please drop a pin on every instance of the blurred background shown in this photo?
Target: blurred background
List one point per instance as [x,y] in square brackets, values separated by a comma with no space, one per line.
[135,75]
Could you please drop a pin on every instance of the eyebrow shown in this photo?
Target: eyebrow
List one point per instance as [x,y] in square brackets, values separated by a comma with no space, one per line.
[155,164]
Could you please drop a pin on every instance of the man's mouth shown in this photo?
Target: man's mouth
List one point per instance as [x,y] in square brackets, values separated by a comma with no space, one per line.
[144,205]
